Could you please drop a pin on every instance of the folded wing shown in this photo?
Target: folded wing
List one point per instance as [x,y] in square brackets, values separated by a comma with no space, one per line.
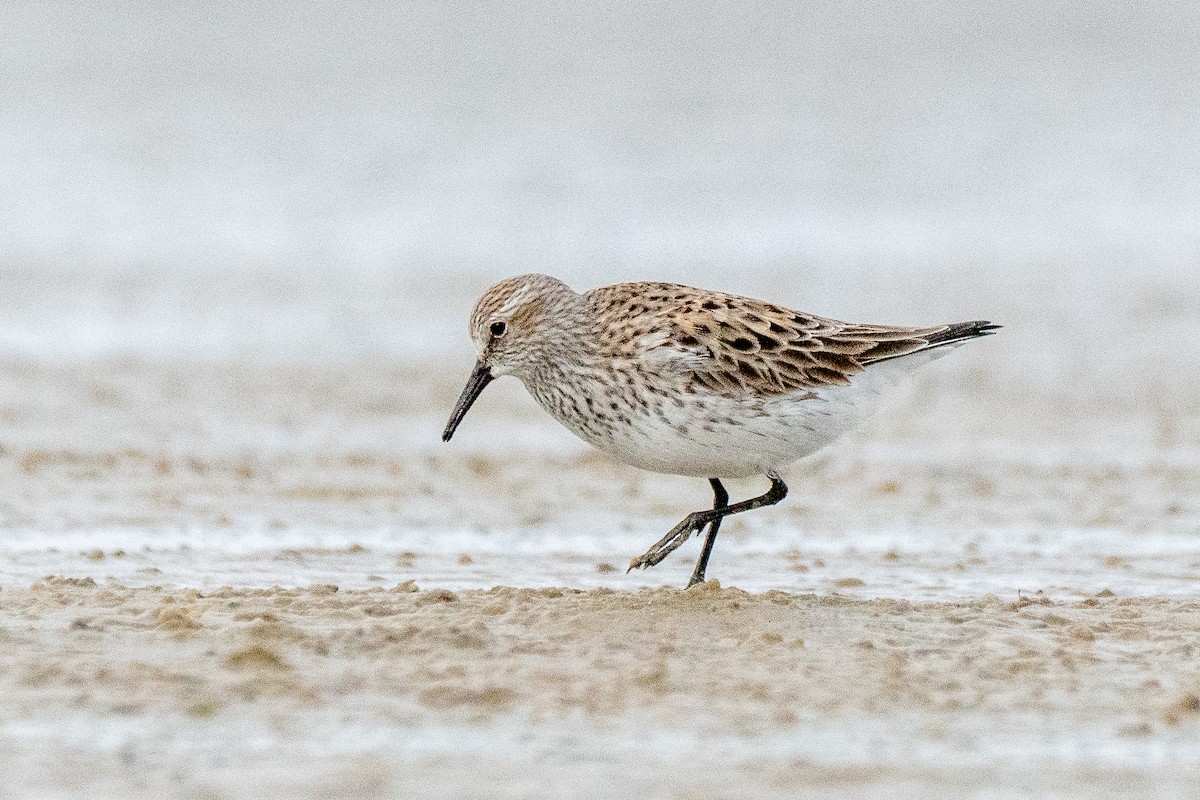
[733,346]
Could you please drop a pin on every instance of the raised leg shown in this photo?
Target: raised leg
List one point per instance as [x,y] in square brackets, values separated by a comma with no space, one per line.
[697,520]
[720,501]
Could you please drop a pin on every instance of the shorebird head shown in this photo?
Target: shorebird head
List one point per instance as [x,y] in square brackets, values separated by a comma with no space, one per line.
[511,326]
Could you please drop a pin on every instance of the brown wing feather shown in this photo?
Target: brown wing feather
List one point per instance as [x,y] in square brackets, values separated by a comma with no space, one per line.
[741,346]
[737,346]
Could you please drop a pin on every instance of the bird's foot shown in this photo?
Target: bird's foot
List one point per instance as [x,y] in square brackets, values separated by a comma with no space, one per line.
[692,523]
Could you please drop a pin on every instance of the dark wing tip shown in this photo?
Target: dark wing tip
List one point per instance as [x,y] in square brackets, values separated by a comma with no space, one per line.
[963,330]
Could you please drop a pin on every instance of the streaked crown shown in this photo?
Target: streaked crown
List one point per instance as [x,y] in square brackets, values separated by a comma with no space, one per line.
[512,320]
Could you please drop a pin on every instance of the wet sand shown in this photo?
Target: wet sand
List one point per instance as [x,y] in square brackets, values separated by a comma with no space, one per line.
[508,692]
[235,580]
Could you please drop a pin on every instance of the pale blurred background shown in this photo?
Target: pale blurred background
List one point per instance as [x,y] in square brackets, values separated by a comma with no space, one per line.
[319,180]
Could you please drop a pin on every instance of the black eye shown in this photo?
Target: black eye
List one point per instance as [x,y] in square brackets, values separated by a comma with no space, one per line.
[498,328]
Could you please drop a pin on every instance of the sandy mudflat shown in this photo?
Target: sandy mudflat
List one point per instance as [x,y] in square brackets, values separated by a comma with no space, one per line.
[986,591]
[706,693]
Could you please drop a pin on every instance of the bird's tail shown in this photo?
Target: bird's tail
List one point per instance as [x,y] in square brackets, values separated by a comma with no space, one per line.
[961,332]
[950,335]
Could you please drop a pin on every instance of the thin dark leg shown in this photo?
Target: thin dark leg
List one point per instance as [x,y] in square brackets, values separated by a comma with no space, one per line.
[697,520]
[720,501]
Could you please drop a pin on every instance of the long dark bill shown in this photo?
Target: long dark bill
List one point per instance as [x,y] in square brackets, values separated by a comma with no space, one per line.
[481,376]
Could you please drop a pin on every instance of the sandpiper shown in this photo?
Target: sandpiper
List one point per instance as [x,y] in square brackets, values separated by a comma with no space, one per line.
[693,382]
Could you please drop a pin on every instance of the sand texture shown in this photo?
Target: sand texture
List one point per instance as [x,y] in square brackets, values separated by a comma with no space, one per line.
[535,692]
[224,580]
[269,578]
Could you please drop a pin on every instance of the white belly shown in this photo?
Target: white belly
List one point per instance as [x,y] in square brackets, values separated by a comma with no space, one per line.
[715,437]
[735,438]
